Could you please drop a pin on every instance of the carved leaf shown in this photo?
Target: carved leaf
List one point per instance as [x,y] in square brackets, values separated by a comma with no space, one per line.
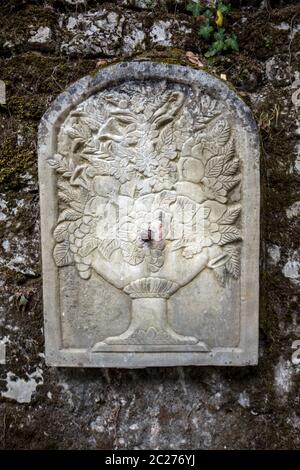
[229,151]
[149,110]
[166,135]
[79,178]
[91,123]
[75,198]
[132,254]
[107,247]
[79,131]
[69,214]
[89,244]
[62,254]
[53,163]
[65,197]
[229,234]
[230,215]
[61,232]
[68,192]
[208,110]
[214,167]
[166,143]
[233,264]
[91,147]
[93,113]
[62,165]
[228,181]
[202,120]
[76,205]
[221,132]
[156,260]
[231,168]
[125,152]
[167,111]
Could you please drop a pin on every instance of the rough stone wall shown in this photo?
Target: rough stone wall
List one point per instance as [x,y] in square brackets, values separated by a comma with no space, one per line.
[44,47]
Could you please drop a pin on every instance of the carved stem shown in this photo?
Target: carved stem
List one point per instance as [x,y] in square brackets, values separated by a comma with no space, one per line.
[149,326]
[150,312]
[149,319]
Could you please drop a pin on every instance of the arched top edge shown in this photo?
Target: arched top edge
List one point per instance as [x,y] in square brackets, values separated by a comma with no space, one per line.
[141,70]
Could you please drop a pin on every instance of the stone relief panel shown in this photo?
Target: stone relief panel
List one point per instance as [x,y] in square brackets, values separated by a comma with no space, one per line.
[150,206]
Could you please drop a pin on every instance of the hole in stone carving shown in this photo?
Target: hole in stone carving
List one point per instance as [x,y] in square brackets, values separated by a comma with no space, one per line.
[147,235]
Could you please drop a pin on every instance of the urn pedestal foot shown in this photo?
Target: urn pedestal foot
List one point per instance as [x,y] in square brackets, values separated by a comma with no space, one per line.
[149,326]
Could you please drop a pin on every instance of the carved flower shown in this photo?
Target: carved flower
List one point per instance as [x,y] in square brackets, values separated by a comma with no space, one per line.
[211,233]
[165,176]
[121,169]
[132,254]
[146,163]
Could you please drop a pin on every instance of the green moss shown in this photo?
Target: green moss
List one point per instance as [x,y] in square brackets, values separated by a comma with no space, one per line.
[18,27]
[13,162]
[32,83]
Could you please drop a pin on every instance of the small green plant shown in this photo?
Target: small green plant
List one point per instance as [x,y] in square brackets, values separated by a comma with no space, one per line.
[212,29]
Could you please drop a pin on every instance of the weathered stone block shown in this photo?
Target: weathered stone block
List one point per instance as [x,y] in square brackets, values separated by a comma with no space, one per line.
[103,32]
[2,353]
[149,183]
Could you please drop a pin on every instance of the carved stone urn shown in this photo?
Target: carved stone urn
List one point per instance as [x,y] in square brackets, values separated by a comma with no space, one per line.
[144,172]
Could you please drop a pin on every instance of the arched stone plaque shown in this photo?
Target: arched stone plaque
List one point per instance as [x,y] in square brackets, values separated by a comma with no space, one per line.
[149,183]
